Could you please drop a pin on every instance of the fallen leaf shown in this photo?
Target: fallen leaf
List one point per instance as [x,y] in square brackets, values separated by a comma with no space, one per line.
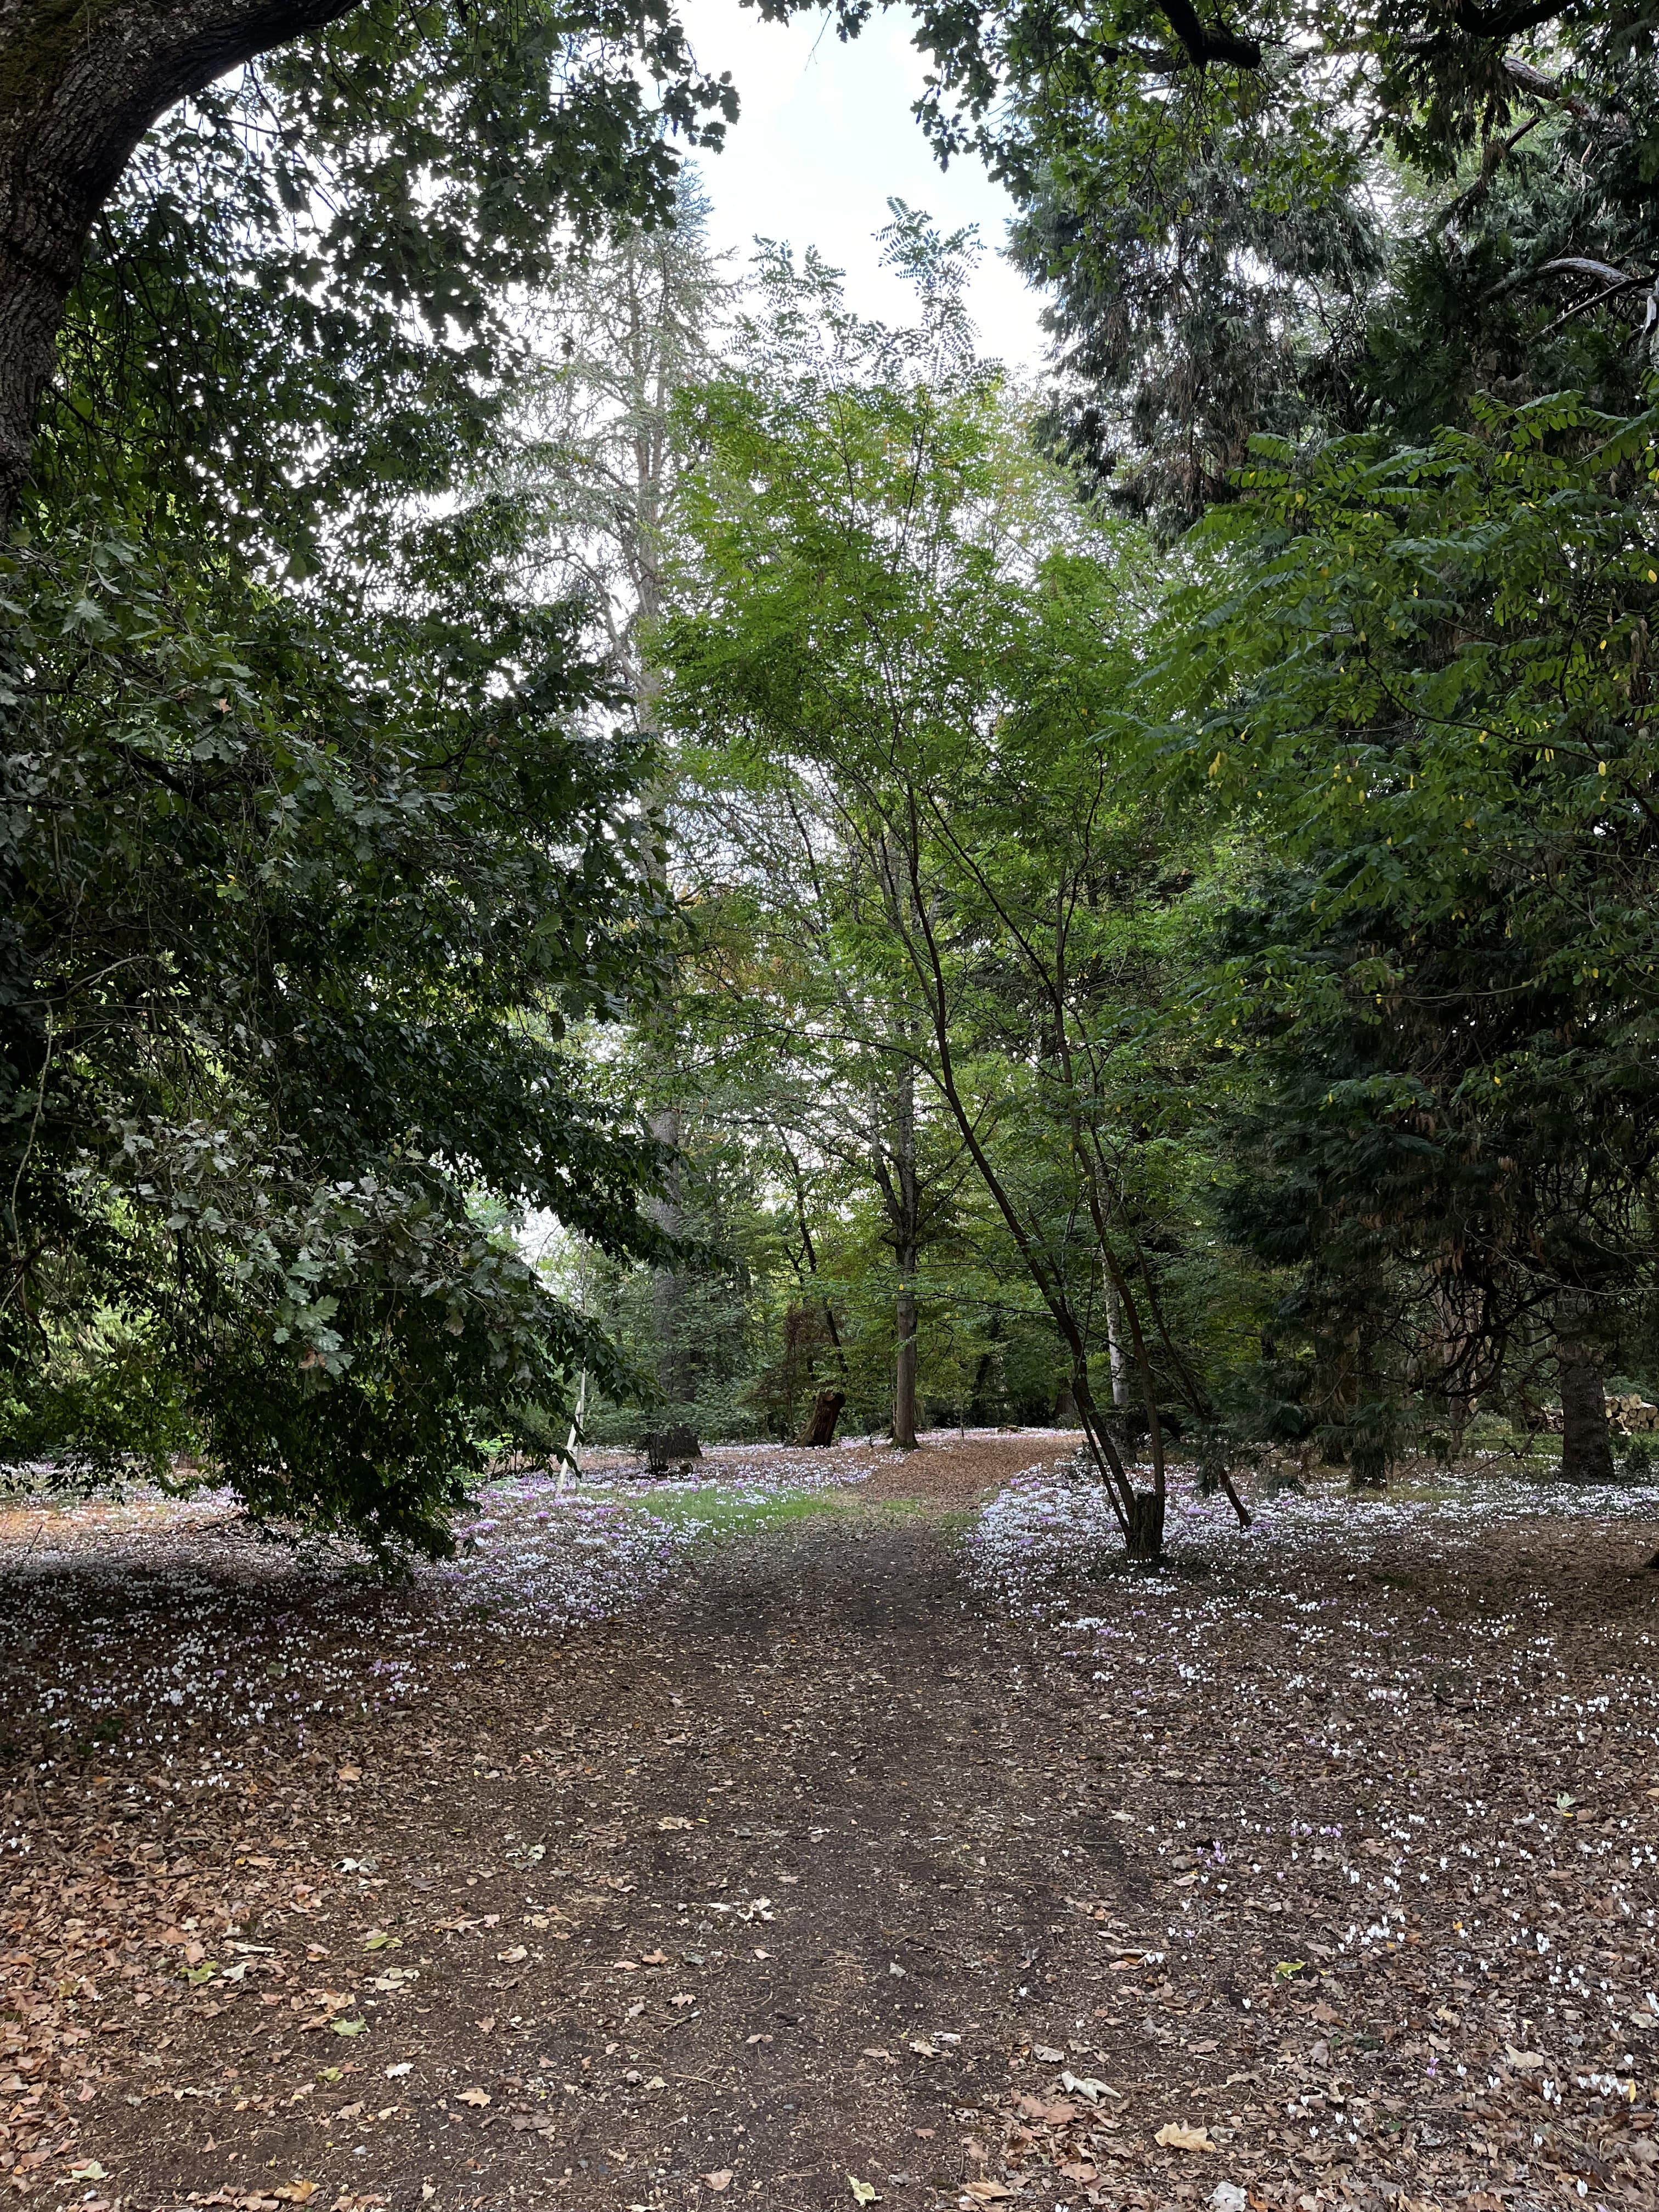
[986,2192]
[348,2027]
[653,1958]
[676,1821]
[1058,2114]
[512,1956]
[348,1774]
[88,2170]
[474,2097]
[683,1997]
[923,2048]
[396,2073]
[298,2192]
[720,2179]
[1526,2059]
[377,1940]
[864,2192]
[1045,2055]
[1176,2134]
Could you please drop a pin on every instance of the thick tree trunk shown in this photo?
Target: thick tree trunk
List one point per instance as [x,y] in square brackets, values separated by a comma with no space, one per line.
[1144,1544]
[1586,1446]
[826,1411]
[79,87]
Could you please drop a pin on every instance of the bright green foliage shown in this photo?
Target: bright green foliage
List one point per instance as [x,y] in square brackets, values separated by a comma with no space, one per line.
[908,645]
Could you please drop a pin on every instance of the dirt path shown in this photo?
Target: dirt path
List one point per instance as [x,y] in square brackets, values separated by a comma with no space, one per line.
[822,1869]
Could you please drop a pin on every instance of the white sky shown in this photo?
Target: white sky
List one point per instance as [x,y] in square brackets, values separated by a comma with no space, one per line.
[825,139]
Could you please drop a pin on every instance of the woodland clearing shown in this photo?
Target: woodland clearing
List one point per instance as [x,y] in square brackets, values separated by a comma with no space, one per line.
[841,1823]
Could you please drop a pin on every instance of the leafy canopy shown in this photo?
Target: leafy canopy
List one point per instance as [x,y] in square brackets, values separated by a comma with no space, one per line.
[317,832]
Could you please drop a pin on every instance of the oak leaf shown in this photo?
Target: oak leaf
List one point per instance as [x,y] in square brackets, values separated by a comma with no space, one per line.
[1176,2134]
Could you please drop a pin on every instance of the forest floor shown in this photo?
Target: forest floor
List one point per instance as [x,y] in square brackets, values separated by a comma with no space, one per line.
[843,1828]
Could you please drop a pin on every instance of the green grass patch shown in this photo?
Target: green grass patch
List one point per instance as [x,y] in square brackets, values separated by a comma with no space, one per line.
[715,1512]
[718,1512]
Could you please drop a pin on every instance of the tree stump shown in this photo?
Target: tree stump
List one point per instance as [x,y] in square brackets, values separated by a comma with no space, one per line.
[670,1448]
[826,1411]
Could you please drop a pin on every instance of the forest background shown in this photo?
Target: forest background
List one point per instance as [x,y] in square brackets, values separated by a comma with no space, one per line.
[590,833]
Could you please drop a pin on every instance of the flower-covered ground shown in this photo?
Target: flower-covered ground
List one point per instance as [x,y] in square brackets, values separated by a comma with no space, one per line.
[833,1818]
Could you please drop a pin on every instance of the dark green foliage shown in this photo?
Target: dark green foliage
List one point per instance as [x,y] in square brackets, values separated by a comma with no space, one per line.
[1200,293]
[1302,222]
[1438,717]
[306,881]
[288,953]
[297,310]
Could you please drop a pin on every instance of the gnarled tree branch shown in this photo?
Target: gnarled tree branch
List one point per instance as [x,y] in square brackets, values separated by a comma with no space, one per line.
[79,87]
[1204,45]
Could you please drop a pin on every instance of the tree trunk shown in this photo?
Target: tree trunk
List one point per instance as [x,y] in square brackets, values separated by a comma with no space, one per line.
[1115,1349]
[1144,1544]
[1586,1447]
[1368,1473]
[908,1192]
[674,1378]
[904,1363]
[79,87]
[826,1411]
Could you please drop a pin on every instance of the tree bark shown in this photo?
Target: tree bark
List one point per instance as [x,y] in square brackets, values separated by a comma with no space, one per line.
[904,1360]
[1144,1542]
[1586,1447]
[905,1206]
[826,1411]
[674,1376]
[1119,1362]
[79,87]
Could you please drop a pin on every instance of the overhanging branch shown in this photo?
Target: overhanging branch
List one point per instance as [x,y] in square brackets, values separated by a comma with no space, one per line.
[1203,45]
